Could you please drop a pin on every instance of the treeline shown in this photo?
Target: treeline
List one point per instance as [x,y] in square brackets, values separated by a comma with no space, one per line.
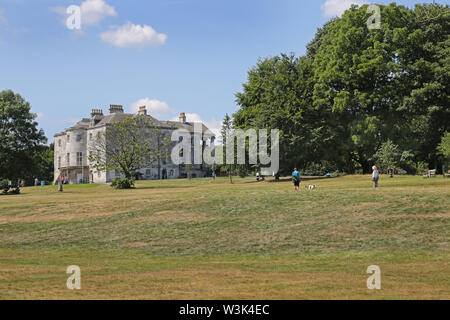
[24,154]
[357,92]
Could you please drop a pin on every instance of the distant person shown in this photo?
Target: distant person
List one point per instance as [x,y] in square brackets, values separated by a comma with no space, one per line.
[375,177]
[60,185]
[296,178]
[257,176]
[214,175]
[36,182]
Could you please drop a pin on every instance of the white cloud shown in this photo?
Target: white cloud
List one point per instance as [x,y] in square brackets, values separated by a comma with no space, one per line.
[333,8]
[132,35]
[155,107]
[39,115]
[92,12]
[162,111]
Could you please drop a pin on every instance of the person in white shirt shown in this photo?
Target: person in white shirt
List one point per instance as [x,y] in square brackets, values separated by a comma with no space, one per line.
[375,176]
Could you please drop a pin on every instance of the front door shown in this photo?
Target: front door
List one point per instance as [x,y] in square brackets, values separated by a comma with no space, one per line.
[79,178]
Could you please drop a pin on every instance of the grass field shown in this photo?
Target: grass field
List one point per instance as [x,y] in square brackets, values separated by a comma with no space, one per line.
[204,239]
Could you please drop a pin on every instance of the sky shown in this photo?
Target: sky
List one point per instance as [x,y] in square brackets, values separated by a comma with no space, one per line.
[172,56]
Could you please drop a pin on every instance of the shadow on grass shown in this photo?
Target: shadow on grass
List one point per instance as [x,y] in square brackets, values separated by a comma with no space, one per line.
[162,187]
[286,179]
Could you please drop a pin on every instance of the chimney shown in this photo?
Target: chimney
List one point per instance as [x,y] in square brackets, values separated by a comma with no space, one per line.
[182,117]
[96,113]
[96,116]
[142,111]
[113,108]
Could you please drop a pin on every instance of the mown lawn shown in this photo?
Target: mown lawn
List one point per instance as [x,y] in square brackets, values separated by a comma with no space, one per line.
[205,239]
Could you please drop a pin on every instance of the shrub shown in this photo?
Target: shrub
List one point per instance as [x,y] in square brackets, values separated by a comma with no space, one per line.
[318,169]
[4,186]
[338,174]
[242,171]
[122,183]
[422,167]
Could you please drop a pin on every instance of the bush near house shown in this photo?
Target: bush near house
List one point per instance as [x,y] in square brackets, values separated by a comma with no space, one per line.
[122,183]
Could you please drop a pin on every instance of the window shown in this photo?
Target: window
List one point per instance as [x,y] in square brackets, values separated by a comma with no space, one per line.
[59,161]
[90,136]
[68,138]
[79,137]
[68,158]
[79,158]
[59,142]
[148,172]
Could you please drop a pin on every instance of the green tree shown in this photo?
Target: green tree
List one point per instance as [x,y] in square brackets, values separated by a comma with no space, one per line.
[129,145]
[390,83]
[355,88]
[278,95]
[43,164]
[225,133]
[20,138]
[389,156]
[444,146]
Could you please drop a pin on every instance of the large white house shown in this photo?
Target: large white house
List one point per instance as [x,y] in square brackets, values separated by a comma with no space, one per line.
[72,148]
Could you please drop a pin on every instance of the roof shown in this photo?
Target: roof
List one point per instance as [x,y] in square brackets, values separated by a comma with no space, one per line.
[85,123]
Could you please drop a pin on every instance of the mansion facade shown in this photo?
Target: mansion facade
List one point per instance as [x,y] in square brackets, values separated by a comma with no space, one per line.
[72,149]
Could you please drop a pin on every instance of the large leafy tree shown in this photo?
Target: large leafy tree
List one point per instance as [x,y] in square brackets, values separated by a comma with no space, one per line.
[355,88]
[129,145]
[278,96]
[390,83]
[43,163]
[426,64]
[20,138]
[356,72]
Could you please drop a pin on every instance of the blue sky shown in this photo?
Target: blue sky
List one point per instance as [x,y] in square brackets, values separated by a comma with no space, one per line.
[172,55]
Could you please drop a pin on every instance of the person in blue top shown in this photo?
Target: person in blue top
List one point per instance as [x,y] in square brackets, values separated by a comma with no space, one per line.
[296,178]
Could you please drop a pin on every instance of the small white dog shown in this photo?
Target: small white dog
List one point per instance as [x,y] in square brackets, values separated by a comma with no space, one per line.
[311,187]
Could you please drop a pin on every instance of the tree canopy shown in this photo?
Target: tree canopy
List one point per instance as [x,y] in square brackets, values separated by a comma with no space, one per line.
[129,145]
[355,89]
[21,142]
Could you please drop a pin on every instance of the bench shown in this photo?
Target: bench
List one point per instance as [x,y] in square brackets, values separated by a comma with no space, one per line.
[447,175]
[430,173]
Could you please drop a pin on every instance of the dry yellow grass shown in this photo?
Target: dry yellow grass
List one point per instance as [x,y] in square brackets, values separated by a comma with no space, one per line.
[204,239]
